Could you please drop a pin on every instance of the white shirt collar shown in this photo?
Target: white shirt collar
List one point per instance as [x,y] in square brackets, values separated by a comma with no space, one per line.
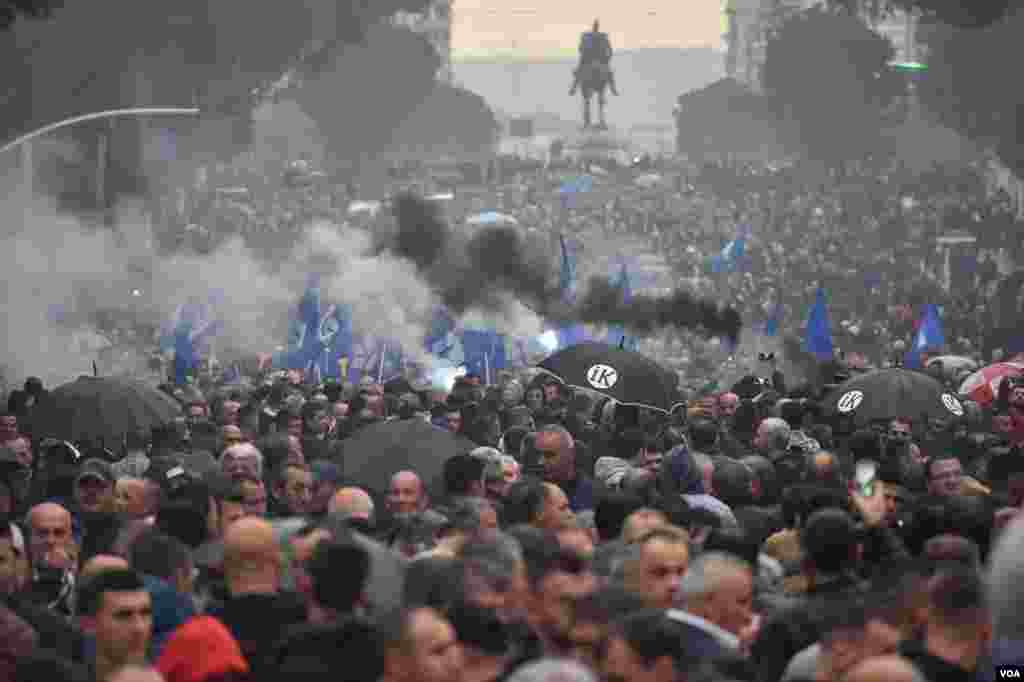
[725,638]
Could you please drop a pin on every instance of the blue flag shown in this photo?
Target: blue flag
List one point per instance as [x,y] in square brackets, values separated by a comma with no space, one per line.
[730,259]
[569,334]
[187,333]
[617,333]
[484,352]
[304,331]
[771,325]
[437,341]
[929,337]
[336,340]
[818,338]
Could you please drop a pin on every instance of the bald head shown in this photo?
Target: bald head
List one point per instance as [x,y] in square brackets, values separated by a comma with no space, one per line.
[101,563]
[48,511]
[352,503]
[883,669]
[50,538]
[251,556]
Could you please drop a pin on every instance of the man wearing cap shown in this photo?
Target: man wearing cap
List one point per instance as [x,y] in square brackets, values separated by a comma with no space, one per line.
[94,488]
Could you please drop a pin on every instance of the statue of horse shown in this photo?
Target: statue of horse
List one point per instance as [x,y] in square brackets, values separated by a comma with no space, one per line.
[594,79]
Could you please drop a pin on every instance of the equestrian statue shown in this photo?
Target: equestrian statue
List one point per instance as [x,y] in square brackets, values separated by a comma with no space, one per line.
[594,73]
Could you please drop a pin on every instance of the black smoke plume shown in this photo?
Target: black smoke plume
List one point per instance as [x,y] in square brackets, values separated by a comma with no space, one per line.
[482,270]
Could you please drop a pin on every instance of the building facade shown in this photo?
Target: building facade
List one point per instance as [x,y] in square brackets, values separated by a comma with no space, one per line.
[435,24]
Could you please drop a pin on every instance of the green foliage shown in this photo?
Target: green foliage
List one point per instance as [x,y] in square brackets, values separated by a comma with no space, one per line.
[829,76]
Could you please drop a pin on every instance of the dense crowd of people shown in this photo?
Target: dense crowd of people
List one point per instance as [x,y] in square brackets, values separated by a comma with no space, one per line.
[550,533]
[564,537]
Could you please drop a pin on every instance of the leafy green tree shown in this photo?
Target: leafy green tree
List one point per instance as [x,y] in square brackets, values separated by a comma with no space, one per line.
[829,76]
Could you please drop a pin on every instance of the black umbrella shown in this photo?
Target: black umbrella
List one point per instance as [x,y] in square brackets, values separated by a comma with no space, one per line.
[376,452]
[892,393]
[628,377]
[101,410]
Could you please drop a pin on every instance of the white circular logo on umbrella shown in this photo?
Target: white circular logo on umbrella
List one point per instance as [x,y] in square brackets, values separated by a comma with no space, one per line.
[952,404]
[850,401]
[602,377]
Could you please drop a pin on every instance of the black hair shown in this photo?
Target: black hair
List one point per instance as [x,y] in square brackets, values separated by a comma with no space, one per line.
[523,503]
[732,480]
[828,539]
[543,555]
[90,591]
[612,510]
[652,635]
[433,581]
[703,434]
[339,571]
[461,472]
[480,628]
[733,541]
[159,555]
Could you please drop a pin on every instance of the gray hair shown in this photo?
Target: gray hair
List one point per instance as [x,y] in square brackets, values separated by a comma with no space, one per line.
[500,552]
[1006,584]
[706,571]
[248,449]
[777,431]
[553,670]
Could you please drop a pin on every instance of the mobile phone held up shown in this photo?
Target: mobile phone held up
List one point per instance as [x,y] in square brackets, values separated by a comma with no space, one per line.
[865,477]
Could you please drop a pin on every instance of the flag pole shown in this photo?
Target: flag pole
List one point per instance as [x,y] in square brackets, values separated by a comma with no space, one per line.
[380,373]
[487,368]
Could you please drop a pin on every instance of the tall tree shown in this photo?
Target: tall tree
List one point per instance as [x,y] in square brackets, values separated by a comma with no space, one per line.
[829,75]
[965,84]
[11,10]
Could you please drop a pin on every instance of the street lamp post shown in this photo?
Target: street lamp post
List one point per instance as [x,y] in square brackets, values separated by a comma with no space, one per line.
[24,141]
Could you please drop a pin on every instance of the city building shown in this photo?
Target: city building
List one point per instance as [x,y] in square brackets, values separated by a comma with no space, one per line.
[434,23]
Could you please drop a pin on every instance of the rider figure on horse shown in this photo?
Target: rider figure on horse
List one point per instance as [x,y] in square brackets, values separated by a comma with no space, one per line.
[595,48]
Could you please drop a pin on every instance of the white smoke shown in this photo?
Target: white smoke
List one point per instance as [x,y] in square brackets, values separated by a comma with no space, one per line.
[54,262]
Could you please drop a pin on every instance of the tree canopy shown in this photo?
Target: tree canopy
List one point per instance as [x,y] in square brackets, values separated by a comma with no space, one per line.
[829,76]
[11,10]
[965,85]
[368,90]
[97,54]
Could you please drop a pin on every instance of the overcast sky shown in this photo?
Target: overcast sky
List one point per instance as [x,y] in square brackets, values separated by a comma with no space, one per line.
[548,28]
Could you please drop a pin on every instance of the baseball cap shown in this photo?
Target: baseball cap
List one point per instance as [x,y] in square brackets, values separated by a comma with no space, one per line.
[96,469]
